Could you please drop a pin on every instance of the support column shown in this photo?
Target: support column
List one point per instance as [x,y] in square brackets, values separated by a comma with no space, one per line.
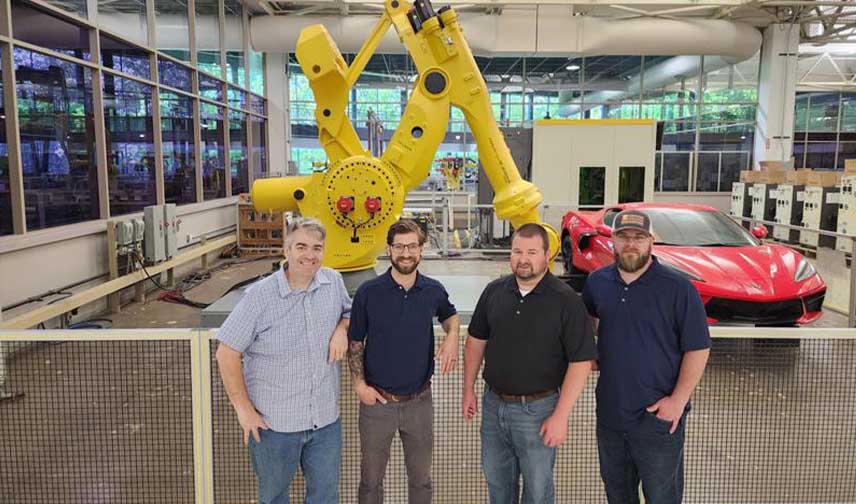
[774,126]
[278,142]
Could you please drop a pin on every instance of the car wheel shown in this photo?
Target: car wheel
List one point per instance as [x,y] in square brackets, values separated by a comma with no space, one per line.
[568,257]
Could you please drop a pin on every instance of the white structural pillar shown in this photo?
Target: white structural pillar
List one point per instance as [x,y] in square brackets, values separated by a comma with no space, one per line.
[277,112]
[774,126]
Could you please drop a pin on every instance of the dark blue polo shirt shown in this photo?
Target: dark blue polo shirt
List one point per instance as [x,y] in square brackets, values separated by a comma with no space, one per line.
[398,328]
[645,328]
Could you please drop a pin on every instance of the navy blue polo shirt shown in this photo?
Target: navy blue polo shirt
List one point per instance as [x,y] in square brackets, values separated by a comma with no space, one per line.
[398,328]
[645,327]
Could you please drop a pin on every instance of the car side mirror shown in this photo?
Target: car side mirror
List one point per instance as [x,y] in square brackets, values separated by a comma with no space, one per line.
[604,230]
[759,232]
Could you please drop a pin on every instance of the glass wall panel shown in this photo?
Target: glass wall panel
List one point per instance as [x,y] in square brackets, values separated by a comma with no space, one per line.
[257,72]
[707,175]
[237,98]
[127,19]
[57,140]
[238,152]
[213,151]
[130,151]
[823,112]
[820,155]
[179,168]
[210,88]
[259,128]
[676,171]
[73,6]
[235,43]
[208,37]
[38,27]
[592,185]
[732,164]
[257,105]
[172,28]
[123,57]
[5,190]
[174,74]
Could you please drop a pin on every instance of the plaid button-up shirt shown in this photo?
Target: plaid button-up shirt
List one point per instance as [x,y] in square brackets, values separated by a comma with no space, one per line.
[284,337]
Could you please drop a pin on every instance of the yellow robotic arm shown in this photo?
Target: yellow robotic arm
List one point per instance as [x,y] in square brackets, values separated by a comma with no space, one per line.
[360,196]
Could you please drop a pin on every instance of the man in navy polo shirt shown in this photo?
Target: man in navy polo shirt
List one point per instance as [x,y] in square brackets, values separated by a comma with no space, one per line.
[653,344]
[391,357]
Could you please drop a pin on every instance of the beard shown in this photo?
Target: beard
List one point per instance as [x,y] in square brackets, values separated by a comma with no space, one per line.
[407,267]
[527,272]
[629,264]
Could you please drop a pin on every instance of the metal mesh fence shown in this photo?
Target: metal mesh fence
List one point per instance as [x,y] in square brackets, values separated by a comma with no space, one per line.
[773,421]
[97,421]
[112,421]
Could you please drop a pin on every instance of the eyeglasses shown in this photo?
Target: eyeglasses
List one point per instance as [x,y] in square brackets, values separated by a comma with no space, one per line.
[637,239]
[411,247]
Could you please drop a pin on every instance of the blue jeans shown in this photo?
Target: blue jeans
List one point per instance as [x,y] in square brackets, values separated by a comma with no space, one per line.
[512,446]
[319,454]
[648,454]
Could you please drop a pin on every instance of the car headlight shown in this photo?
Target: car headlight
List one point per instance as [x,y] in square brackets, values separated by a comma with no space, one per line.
[805,270]
[682,272]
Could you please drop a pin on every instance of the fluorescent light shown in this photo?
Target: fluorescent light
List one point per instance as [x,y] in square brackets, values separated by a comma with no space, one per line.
[572,67]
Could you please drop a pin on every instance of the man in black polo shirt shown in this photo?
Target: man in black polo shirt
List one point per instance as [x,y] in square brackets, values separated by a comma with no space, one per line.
[391,356]
[653,343]
[538,346]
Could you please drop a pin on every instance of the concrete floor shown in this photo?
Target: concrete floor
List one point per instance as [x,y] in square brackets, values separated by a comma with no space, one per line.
[110,422]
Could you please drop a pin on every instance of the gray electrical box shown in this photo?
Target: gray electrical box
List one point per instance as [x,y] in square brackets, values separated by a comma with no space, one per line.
[124,233]
[764,203]
[820,211]
[846,213]
[789,210]
[170,223]
[153,243]
[741,200]
[139,230]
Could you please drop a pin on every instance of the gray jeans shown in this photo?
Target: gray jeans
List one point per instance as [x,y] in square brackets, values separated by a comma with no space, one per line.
[414,421]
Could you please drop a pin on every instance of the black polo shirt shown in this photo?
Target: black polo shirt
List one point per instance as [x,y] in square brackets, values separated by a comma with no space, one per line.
[398,328]
[531,339]
[645,327]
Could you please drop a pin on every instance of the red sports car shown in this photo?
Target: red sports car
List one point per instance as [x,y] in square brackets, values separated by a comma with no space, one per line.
[740,279]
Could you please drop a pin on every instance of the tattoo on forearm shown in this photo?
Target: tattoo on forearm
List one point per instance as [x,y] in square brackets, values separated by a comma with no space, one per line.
[355,360]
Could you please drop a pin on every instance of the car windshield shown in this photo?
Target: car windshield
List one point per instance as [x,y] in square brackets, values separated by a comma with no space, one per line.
[697,228]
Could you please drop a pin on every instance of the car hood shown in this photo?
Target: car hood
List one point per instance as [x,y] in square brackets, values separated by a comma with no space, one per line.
[751,272]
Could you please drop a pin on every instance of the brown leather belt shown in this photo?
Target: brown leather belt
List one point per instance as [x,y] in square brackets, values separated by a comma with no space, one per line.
[526,397]
[401,398]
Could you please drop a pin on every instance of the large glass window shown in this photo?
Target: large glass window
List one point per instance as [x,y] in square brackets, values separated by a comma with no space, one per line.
[210,88]
[179,162]
[74,6]
[172,28]
[174,74]
[668,89]
[235,43]
[238,152]
[5,191]
[57,133]
[824,130]
[124,58]
[257,72]
[38,27]
[259,132]
[127,19]
[213,152]
[130,151]
[208,37]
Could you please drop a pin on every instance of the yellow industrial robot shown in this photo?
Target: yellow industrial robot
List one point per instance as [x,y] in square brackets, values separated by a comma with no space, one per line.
[359,196]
